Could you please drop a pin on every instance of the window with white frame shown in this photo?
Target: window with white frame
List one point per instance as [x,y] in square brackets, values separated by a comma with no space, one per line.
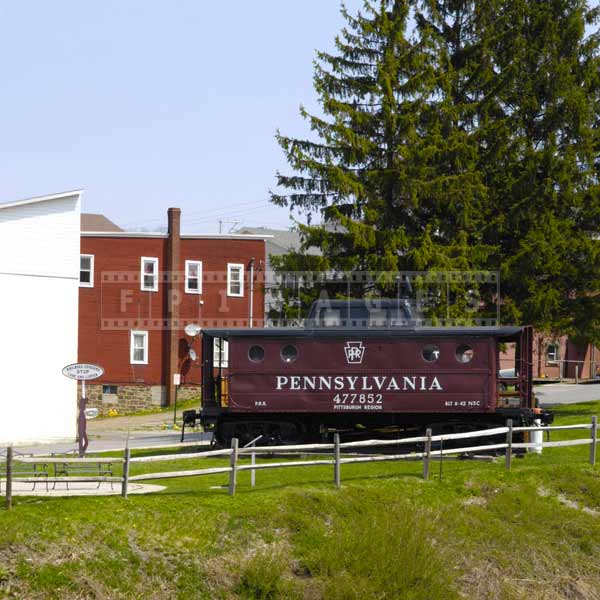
[235,279]
[220,353]
[193,277]
[139,347]
[86,270]
[149,274]
[552,353]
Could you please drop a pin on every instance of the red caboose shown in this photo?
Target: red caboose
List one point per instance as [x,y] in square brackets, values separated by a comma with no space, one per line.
[293,385]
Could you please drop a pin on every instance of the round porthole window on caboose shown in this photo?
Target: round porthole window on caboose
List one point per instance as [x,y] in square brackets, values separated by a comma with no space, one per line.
[431,353]
[256,353]
[464,354]
[289,353]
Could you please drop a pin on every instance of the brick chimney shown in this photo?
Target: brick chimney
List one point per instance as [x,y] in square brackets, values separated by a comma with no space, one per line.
[173,299]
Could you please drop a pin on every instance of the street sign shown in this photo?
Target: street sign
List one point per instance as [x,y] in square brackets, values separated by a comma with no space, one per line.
[177,379]
[83,371]
[91,413]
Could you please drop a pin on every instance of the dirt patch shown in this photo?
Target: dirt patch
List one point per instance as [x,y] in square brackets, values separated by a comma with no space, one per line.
[475,501]
[543,492]
[568,502]
[575,505]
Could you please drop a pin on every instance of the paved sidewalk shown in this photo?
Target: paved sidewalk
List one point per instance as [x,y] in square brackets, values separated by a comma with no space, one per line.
[79,489]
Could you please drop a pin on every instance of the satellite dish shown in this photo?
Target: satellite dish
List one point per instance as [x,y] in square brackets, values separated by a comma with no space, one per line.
[192,330]
[193,354]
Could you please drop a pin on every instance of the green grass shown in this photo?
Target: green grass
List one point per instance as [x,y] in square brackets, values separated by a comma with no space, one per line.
[167,410]
[478,532]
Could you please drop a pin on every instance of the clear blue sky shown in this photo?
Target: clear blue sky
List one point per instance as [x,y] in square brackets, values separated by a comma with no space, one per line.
[147,104]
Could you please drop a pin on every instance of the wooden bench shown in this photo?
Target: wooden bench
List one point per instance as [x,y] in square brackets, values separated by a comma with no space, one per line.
[68,469]
[28,469]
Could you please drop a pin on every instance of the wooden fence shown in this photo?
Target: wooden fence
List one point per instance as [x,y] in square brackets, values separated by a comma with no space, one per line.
[336,448]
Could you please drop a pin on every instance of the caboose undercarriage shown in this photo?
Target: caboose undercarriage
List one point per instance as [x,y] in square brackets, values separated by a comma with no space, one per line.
[282,428]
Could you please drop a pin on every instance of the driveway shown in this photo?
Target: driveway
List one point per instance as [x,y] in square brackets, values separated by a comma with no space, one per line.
[552,394]
[113,433]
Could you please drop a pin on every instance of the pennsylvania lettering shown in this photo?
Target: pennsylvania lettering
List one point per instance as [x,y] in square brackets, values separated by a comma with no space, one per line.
[364,383]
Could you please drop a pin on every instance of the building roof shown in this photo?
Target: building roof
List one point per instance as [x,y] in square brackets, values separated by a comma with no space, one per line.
[506,334]
[184,236]
[94,222]
[281,240]
[41,199]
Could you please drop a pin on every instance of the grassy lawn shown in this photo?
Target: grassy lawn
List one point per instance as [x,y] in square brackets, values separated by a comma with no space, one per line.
[479,532]
[167,410]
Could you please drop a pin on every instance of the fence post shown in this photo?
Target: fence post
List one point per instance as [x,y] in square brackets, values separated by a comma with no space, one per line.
[509,442]
[9,465]
[576,373]
[233,464]
[594,434]
[427,455]
[336,452]
[253,462]
[125,481]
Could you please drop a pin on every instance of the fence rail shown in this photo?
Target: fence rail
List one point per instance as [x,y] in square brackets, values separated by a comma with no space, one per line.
[426,454]
[164,457]
[57,460]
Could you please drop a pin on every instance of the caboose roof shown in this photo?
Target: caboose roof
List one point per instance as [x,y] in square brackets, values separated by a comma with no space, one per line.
[504,334]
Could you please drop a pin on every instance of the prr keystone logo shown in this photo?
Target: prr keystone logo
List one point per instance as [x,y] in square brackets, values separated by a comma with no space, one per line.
[355,352]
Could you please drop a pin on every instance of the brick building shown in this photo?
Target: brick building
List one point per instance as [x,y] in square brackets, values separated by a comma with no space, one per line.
[559,357]
[137,293]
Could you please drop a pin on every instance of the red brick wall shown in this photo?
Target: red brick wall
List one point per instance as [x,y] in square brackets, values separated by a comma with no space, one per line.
[219,310]
[575,354]
[116,305]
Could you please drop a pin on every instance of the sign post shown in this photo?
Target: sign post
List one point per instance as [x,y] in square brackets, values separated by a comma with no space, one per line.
[176,383]
[82,372]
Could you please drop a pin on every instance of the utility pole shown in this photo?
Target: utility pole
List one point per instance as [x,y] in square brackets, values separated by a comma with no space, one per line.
[232,223]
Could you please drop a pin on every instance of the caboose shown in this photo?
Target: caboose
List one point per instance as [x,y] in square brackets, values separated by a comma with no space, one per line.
[362,373]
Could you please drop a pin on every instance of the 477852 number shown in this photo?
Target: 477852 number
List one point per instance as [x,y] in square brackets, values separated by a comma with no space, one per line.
[358,399]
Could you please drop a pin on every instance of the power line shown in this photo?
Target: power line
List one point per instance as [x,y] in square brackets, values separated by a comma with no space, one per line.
[213,211]
[222,215]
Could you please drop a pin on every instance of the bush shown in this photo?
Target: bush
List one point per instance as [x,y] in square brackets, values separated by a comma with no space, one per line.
[371,549]
[262,577]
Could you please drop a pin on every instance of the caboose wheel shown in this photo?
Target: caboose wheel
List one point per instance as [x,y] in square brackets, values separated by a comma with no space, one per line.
[274,433]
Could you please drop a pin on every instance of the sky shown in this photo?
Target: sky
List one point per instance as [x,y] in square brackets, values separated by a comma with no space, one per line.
[147,104]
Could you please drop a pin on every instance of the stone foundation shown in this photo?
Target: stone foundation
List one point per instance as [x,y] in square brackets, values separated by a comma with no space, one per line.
[187,392]
[133,398]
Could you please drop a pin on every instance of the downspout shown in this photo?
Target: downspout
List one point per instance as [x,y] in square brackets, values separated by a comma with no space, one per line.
[251,308]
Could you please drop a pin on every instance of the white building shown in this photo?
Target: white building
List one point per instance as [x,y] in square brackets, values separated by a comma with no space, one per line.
[39,275]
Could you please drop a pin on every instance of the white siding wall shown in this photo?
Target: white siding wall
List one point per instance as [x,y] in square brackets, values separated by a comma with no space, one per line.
[39,274]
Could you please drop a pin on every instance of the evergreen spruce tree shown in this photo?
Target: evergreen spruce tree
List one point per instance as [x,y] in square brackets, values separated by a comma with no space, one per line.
[375,175]
[471,144]
[539,152]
